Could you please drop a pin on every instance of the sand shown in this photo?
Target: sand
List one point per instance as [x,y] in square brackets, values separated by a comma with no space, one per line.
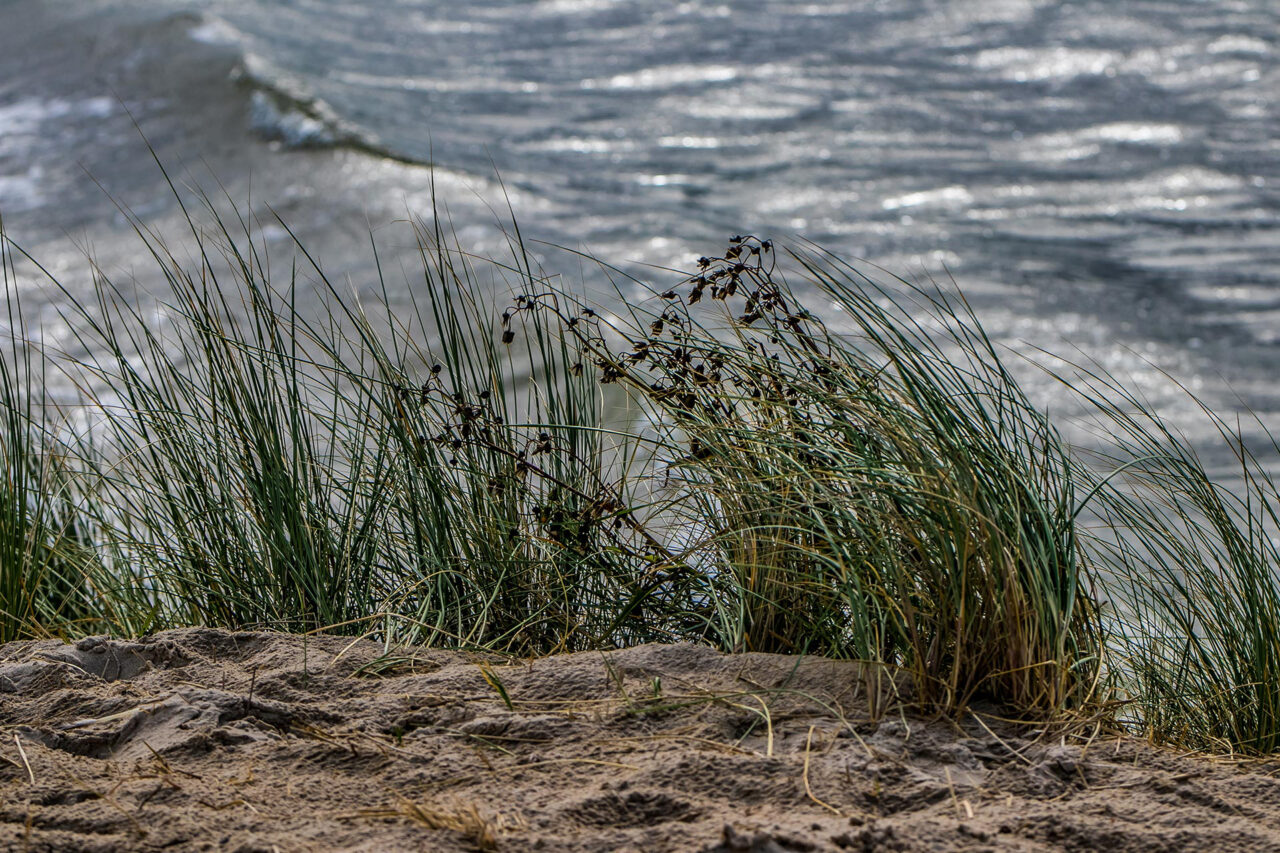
[201,739]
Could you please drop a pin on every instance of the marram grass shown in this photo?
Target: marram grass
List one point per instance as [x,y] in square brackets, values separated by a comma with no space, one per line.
[447,475]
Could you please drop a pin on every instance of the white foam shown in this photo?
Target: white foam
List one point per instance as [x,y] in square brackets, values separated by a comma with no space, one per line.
[689,142]
[26,115]
[25,126]
[20,191]
[1239,44]
[215,31]
[571,7]
[952,196]
[666,76]
[292,126]
[1141,133]
[1024,64]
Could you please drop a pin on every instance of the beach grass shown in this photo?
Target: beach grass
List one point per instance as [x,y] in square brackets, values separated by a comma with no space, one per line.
[264,448]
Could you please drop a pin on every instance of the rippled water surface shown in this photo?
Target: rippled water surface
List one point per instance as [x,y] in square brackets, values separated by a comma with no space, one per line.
[1096,174]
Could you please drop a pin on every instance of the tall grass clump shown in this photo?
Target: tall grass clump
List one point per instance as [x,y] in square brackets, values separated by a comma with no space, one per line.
[53,577]
[1193,566]
[491,462]
[513,514]
[245,486]
[870,495]
[273,455]
[887,493]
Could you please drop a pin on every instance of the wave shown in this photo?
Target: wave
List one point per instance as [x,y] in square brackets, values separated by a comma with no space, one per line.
[282,108]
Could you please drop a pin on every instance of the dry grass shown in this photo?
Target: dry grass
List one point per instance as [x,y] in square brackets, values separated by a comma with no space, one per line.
[466,819]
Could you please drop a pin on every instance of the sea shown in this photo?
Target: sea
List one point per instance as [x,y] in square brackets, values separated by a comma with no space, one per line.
[1101,178]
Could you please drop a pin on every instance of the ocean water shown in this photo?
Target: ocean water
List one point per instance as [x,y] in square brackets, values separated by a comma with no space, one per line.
[1101,177]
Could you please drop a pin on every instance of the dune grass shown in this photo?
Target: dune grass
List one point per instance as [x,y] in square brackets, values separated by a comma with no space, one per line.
[262,448]
[1194,567]
[866,495]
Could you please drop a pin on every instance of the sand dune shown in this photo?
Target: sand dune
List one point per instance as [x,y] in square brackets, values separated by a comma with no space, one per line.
[212,740]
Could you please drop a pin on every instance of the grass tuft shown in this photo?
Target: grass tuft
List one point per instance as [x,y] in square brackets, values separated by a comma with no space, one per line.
[261,447]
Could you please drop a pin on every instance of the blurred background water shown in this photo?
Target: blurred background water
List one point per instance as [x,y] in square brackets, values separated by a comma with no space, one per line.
[1101,175]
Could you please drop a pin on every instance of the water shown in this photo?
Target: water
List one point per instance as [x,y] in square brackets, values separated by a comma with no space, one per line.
[1102,175]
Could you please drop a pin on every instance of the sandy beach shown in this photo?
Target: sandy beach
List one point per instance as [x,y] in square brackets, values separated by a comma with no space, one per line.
[203,739]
